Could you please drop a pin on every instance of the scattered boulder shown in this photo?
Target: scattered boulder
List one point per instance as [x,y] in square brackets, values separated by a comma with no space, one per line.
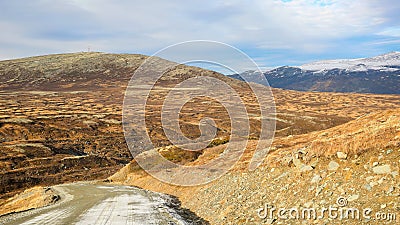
[297,162]
[333,165]
[301,166]
[391,189]
[385,169]
[316,178]
[341,155]
[353,198]
[367,187]
[306,168]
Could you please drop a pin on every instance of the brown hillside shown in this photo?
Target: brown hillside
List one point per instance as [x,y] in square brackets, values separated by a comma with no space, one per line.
[298,174]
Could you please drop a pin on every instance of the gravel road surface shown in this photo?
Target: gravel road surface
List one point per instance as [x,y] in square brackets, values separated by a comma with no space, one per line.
[94,204]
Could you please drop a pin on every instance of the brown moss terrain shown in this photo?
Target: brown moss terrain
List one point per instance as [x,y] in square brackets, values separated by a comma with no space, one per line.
[51,137]
[60,121]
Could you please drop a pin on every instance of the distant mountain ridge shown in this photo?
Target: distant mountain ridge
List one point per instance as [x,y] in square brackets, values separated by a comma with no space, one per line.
[385,62]
[379,75]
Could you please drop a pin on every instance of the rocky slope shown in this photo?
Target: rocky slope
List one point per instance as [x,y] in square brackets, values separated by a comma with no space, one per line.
[358,173]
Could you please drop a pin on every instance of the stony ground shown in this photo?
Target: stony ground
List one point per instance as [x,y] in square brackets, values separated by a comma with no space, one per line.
[368,180]
[237,197]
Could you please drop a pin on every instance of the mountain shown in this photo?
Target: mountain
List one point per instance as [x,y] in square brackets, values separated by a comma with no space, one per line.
[380,75]
[385,62]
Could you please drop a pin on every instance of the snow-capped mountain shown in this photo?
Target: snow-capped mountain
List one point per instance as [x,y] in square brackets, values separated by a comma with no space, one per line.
[379,74]
[384,62]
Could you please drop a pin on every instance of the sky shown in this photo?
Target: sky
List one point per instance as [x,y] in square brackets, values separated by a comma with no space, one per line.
[272,32]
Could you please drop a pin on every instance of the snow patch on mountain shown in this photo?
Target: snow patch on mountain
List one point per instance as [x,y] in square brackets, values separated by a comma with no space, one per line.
[384,62]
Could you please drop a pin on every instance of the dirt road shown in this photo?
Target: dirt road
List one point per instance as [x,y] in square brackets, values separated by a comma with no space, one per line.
[94,204]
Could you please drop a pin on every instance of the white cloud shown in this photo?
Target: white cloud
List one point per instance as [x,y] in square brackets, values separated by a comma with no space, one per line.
[138,26]
[392,32]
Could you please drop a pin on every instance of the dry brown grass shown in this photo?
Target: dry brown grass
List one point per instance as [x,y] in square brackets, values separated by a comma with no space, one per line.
[31,198]
[377,131]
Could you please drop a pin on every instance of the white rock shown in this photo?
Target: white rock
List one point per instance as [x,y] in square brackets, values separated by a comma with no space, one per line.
[316,178]
[391,189]
[306,168]
[353,198]
[368,187]
[341,155]
[333,165]
[297,162]
[385,169]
